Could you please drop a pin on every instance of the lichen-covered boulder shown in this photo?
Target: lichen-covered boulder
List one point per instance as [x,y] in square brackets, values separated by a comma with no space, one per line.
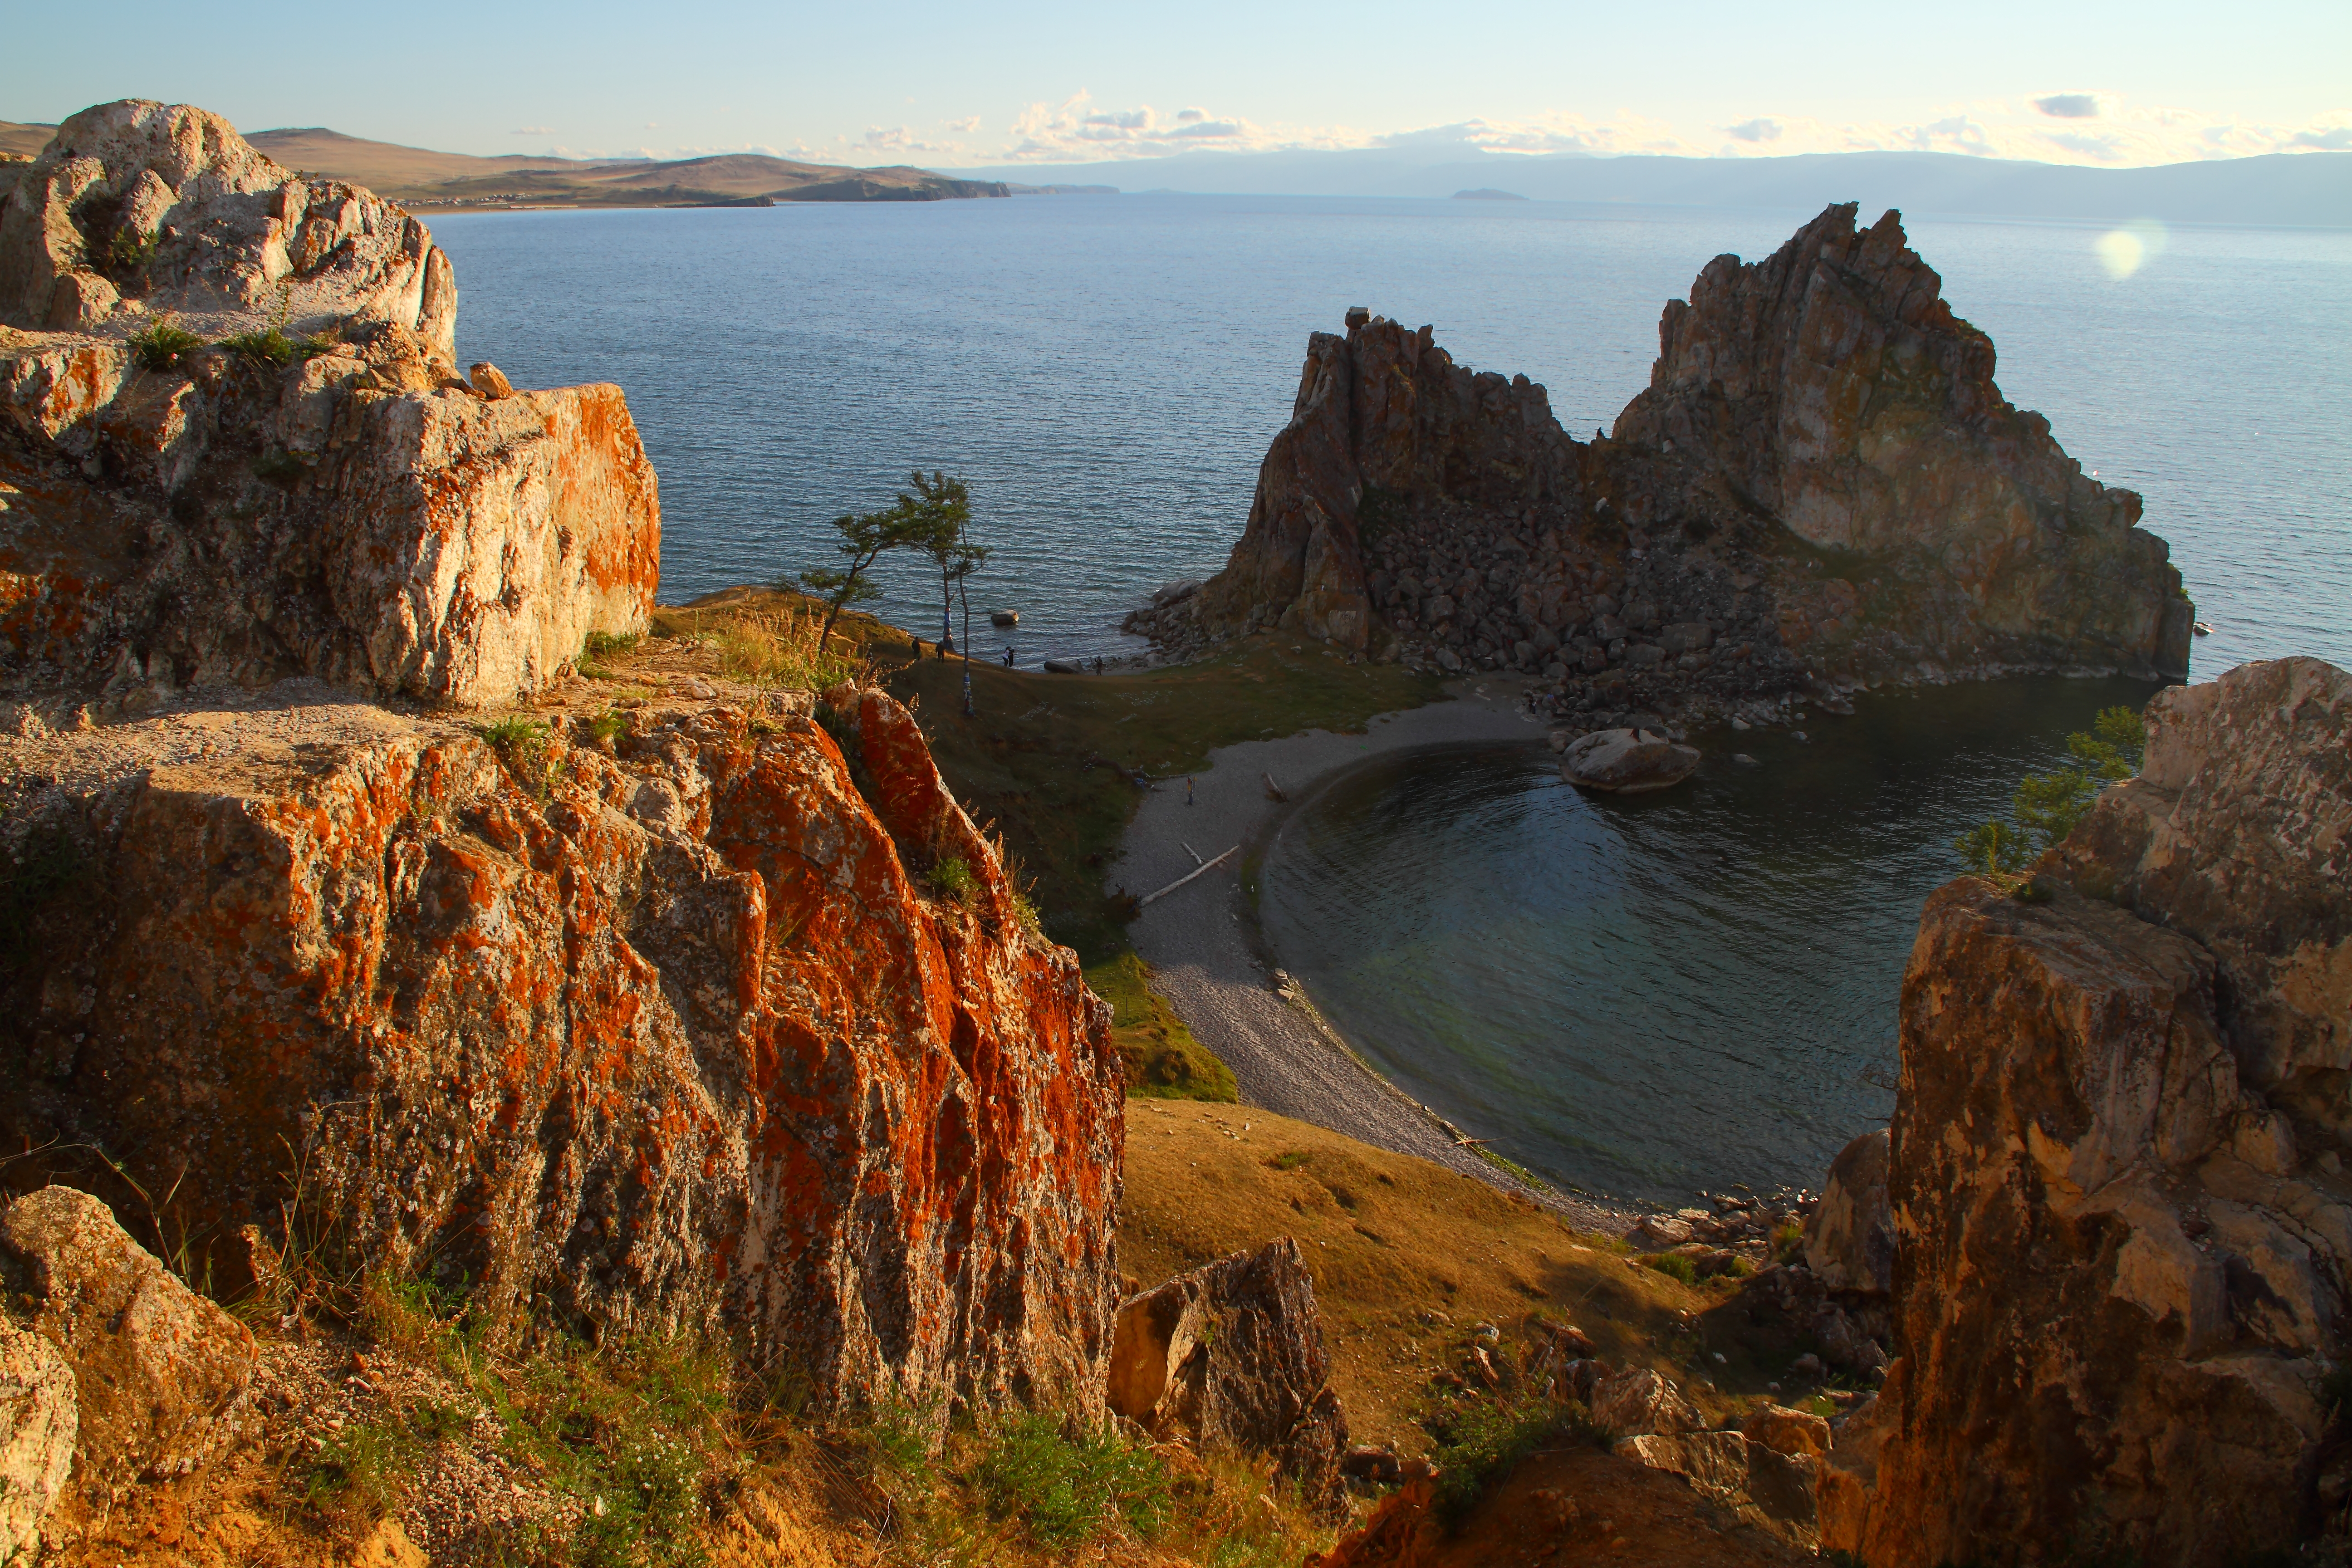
[304,486]
[1231,1356]
[160,1372]
[616,1042]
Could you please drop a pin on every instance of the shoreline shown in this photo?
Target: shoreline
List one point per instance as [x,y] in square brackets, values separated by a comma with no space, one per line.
[1212,964]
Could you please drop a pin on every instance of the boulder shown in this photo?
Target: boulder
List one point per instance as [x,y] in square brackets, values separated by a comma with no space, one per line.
[1788,1431]
[38,1421]
[159,1372]
[1627,762]
[1850,1236]
[1762,1486]
[2118,1285]
[167,205]
[488,381]
[613,1059]
[1638,1400]
[1231,1356]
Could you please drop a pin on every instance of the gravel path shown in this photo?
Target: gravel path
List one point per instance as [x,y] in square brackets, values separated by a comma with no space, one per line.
[1212,965]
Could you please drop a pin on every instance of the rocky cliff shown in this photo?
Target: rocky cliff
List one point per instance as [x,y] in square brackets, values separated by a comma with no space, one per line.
[1821,485]
[2124,1227]
[234,447]
[671,1029]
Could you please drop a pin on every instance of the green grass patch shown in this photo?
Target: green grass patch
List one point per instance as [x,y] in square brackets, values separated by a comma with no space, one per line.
[1479,1442]
[1674,1266]
[525,748]
[1161,1058]
[1064,1490]
[952,879]
[160,343]
[1291,1161]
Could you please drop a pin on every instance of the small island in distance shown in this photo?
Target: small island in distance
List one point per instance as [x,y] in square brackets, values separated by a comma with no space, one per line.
[1488,194]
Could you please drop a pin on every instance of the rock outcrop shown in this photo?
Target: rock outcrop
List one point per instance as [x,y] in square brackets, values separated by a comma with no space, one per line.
[298,482]
[1822,487]
[616,1035]
[1627,762]
[38,1422]
[1850,1236]
[159,1374]
[1231,1356]
[2124,1230]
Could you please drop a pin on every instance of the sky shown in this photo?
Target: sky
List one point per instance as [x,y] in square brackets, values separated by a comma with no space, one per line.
[958,85]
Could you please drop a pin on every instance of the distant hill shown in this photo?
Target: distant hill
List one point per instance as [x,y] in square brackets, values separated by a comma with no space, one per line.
[2300,190]
[426,179]
[423,178]
[24,139]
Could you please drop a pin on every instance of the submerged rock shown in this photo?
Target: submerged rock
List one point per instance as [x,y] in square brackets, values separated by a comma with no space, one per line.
[1627,762]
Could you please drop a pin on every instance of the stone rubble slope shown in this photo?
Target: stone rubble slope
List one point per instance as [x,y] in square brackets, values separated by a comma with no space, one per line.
[675,1032]
[2123,1225]
[352,510]
[1822,488]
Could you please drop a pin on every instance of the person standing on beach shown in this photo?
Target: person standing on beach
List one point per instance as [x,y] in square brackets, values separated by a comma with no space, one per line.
[1187,792]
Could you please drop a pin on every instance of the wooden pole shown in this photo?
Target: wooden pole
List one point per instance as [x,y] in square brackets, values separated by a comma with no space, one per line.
[1274,789]
[1179,881]
[1195,854]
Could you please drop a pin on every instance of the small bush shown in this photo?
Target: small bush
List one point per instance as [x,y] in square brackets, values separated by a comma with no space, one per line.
[1063,1491]
[361,1465]
[1674,1266]
[129,252]
[1291,1161]
[160,343]
[952,879]
[609,725]
[1481,1441]
[523,747]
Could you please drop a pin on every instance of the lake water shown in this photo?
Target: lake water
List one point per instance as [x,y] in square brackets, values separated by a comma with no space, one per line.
[1652,996]
[1106,372]
[1639,998]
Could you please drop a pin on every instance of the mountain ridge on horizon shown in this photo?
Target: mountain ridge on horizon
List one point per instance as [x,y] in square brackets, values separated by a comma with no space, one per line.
[2289,190]
[2294,190]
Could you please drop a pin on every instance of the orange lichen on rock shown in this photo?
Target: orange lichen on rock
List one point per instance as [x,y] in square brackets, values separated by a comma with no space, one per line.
[619,1041]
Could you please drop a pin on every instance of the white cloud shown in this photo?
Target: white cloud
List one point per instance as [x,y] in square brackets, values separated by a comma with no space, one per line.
[2070,105]
[1765,129]
[965,126]
[534,131]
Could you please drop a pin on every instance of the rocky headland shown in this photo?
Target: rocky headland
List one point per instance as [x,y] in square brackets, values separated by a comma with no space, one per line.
[1821,488]
[635,1113]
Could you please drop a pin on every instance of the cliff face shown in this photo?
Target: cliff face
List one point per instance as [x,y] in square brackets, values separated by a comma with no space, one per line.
[617,1041]
[2124,1230]
[1823,482]
[339,503]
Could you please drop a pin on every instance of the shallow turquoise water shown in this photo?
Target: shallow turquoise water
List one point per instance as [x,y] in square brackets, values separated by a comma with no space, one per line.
[1650,996]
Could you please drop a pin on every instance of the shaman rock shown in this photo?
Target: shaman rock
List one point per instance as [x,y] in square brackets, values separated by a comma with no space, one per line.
[673,1034]
[1825,398]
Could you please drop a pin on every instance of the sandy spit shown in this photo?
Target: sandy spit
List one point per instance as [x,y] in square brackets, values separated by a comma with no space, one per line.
[1213,966]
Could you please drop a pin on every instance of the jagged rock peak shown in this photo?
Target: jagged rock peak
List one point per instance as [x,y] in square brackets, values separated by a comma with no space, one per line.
[165,208]
[1821,484]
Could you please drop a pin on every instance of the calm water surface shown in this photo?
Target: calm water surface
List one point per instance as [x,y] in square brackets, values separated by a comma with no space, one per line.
[1650,996]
